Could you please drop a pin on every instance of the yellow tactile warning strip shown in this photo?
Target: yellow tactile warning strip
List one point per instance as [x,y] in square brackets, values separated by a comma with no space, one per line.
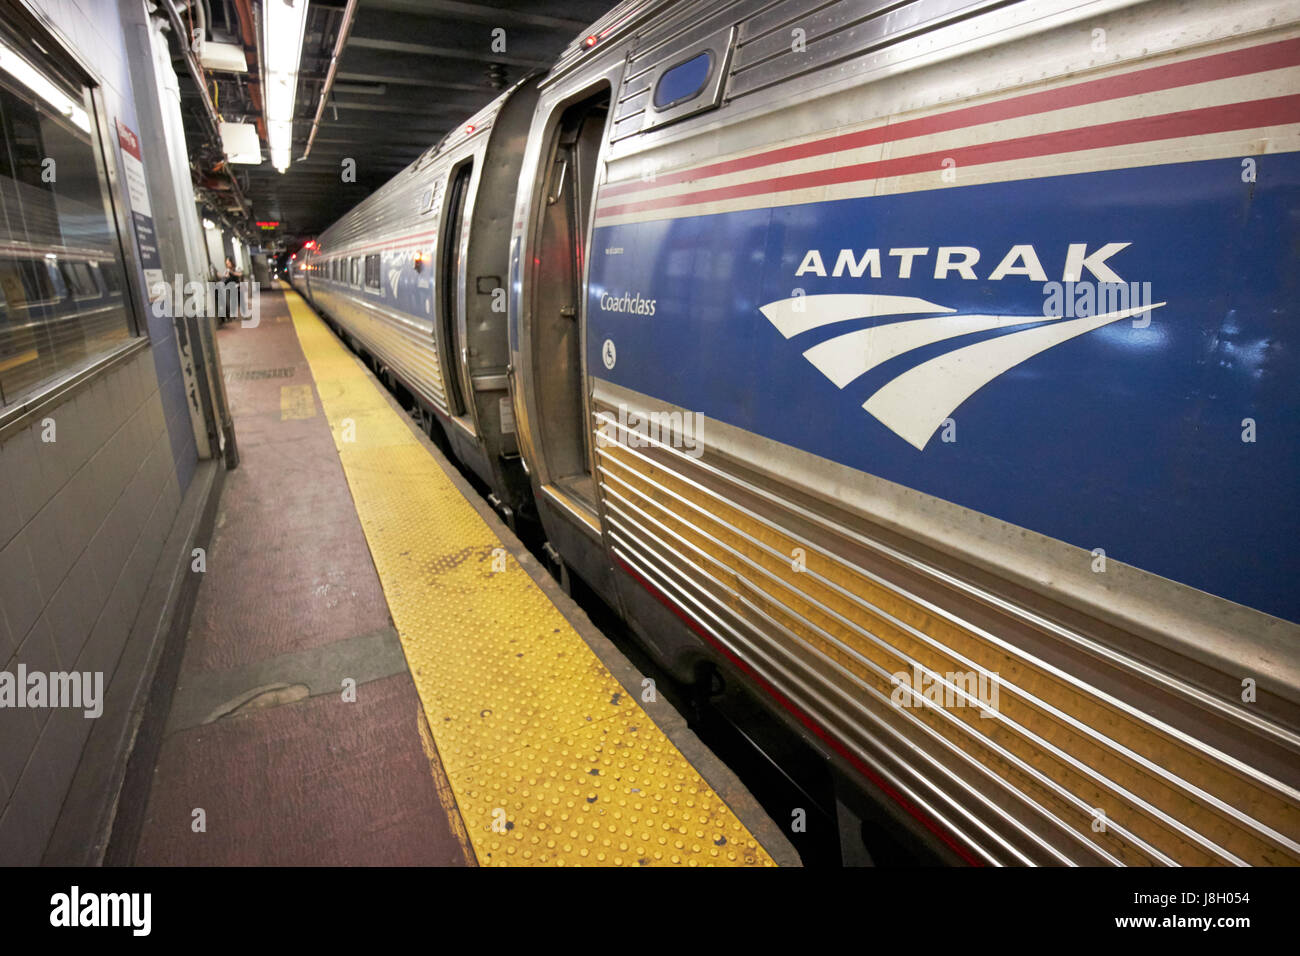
[550,760]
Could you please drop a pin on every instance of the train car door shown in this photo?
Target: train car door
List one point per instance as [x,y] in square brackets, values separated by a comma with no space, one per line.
[563,225]
[451,294]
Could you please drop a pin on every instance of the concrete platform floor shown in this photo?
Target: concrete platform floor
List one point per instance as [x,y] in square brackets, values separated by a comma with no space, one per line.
[260,737]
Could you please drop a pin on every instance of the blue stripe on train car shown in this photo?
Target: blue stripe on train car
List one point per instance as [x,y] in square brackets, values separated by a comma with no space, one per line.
[402,288]
[1123,438]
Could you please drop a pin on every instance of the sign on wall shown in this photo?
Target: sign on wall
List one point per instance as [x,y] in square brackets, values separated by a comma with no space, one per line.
[141,212]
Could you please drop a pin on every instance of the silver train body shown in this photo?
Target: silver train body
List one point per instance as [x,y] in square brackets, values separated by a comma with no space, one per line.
[1021,596]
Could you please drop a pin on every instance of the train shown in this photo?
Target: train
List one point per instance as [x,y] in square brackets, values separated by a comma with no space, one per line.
[58,304]
[927,369]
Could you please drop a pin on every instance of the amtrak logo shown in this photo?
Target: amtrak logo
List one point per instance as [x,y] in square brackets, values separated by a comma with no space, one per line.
[915,403]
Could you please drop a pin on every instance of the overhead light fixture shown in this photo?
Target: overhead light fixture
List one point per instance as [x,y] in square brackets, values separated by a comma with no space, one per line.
[34,80]
[283,24]
[239,140]
[223,57]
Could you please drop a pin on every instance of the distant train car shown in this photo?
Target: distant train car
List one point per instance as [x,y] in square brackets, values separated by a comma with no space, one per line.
[297,266]
[933,369]
[415,275]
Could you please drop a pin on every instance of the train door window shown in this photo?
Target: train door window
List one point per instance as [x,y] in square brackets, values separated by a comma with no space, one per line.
[372,273]
[451,301]
[563,225]
[683,82]
[354,274]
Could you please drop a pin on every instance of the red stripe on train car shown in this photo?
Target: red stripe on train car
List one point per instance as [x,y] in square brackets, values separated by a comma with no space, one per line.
[1274,111]
[1257,59]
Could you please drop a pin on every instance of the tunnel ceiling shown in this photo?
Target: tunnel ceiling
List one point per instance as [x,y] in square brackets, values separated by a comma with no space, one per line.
[410,71]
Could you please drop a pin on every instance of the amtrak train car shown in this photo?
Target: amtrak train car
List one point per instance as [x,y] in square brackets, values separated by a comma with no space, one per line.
[297,267]
[415,277]
[929,368]
[932,368]
[57,301]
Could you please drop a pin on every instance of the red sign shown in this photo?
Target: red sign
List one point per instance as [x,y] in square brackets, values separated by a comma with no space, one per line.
[127,139]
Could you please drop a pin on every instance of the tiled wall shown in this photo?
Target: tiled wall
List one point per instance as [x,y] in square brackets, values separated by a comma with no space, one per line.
[94,30]
[83,519]
[83,526]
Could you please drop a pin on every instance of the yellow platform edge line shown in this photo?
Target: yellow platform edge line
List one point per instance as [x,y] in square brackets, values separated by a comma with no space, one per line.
[550,760]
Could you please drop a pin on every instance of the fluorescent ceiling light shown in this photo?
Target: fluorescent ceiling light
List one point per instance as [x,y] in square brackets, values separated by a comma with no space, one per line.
[34,80]
[283,24]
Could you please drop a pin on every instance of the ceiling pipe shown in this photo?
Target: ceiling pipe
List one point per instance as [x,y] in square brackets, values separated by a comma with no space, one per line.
[196,74]
[251,36]
[348,13]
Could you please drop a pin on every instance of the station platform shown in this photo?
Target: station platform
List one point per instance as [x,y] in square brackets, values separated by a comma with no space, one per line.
[378,672]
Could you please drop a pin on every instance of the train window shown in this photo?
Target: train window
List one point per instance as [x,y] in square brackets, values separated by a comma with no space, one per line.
[662,86]
[111,274]
[372,272]
[354,274]
[78,277]
[48,120]
[684,81]
[55,277]
[555,324]
[36,282]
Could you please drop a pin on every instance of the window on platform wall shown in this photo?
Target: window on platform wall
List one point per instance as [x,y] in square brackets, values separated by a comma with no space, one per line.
[62,283]
[372,272]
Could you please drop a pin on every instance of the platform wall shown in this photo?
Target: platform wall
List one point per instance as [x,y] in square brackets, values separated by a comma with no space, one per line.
[83,519]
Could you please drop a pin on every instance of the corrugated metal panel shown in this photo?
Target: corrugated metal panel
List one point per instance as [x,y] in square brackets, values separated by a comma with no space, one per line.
[1023,773]
[771,49]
